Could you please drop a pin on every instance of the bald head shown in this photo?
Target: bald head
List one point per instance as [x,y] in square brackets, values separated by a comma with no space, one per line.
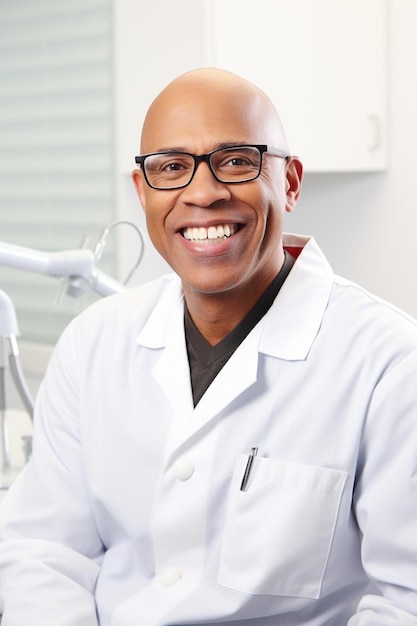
[210,100]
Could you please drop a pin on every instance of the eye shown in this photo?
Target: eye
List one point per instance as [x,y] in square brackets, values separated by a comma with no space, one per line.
[237,161]
[233,160]
[173,166]
[168,164]
[168,169]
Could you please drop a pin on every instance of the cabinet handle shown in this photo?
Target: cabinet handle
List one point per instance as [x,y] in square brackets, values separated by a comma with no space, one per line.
[374,133]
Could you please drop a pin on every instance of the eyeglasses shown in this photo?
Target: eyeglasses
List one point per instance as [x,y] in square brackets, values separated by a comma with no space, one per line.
[233,164]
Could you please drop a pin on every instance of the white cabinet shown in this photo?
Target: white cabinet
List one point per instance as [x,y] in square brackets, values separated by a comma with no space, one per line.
[323,62]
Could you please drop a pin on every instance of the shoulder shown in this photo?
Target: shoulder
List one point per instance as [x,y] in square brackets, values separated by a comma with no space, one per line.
[126,312]
[370,330]
[369,308]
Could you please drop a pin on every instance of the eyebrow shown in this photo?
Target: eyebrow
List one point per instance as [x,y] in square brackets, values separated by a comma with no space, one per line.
[219,146]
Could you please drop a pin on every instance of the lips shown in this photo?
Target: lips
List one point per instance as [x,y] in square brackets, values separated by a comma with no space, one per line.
[211,234]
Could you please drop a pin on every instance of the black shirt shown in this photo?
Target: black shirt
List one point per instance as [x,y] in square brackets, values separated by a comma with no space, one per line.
[205,360]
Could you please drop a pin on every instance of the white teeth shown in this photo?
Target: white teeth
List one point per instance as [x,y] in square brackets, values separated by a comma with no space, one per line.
[213,233]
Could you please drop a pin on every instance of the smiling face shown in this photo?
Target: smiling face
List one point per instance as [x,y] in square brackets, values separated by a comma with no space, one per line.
[219,238]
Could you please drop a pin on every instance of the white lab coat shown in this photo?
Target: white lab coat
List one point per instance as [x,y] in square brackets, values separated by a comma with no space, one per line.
[131,505]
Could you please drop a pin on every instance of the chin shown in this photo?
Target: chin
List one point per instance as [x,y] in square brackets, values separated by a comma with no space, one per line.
[209,285]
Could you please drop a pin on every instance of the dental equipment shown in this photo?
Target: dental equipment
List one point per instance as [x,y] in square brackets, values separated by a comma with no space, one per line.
[8,330]
[78,268]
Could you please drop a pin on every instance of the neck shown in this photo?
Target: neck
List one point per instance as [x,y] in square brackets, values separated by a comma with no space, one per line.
[216,315]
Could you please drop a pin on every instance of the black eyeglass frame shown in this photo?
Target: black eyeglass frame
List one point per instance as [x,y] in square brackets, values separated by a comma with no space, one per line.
[206,158]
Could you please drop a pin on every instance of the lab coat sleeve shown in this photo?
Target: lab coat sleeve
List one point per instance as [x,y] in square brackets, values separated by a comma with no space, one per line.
[50,550]
[386,500]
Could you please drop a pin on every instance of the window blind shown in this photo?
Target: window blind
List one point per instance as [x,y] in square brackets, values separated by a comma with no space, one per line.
[56,143]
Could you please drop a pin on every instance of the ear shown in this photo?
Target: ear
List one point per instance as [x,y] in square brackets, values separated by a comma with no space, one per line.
[294,176]
[139,183]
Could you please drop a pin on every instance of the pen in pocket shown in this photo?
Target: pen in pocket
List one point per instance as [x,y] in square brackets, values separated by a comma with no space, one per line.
[253,452]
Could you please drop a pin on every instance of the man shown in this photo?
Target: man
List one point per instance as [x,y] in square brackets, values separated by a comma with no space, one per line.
[233,443]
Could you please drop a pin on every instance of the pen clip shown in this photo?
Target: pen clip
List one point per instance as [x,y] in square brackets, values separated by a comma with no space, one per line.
[252,454]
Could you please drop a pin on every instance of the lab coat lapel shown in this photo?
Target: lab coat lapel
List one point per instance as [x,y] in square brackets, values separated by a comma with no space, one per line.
[286,332]
[165,331]
[239,373]
[293,322]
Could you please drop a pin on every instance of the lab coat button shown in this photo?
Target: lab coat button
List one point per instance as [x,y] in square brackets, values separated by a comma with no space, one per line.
[169,576]
[183,469]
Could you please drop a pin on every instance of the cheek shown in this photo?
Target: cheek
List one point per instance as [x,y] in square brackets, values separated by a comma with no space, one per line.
[156,209]
[158,217]
[154,227]
[270,207]
[274,220]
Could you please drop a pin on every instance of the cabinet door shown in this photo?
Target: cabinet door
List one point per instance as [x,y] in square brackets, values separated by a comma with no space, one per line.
[323,64]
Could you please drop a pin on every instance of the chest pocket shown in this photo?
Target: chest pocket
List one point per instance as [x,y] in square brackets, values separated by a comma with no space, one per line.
[278,532]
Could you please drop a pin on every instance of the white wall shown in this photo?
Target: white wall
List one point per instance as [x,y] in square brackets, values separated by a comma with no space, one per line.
[367,223]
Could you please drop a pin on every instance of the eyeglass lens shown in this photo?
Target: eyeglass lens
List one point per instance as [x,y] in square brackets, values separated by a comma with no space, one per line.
[175,169]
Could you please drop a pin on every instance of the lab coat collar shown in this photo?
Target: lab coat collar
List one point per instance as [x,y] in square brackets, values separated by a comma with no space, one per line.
[169,307]
[292,323]
[288,329]
[164,331]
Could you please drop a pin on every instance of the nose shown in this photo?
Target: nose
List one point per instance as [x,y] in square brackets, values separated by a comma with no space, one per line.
[204,189]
